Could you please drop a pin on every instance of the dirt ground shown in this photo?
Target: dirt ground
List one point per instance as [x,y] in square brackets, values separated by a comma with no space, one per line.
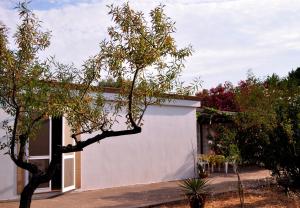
[265,197]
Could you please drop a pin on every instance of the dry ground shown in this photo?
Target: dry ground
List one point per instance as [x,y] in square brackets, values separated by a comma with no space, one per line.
[265,197]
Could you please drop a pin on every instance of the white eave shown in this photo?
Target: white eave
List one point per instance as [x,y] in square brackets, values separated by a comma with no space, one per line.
[170,102]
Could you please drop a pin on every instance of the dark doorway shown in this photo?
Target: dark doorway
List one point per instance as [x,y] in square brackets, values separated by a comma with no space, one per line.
[56,183]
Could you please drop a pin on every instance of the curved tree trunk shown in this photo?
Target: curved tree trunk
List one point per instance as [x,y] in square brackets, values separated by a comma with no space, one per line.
[27,193]
[37,179]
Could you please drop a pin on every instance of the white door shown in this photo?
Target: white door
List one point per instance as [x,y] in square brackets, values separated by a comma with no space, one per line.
[68,159]
[39,152]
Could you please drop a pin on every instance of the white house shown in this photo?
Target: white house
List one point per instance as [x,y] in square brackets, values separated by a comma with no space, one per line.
[164,151]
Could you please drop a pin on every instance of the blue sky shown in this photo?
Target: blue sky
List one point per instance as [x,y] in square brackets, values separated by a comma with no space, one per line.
[229,37]
[45,4]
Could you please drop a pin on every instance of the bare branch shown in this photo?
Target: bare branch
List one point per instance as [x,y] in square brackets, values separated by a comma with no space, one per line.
[82,144]
[130,97]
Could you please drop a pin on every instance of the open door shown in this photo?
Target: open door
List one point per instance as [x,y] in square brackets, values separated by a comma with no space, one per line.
[39,152]
[68,159]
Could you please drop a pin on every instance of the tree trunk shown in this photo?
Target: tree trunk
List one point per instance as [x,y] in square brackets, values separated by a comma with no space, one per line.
[37,179]
[240,190]
[27,193]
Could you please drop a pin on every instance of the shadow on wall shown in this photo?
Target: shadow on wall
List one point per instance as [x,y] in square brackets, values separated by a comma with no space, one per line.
[187,170]
[4,137]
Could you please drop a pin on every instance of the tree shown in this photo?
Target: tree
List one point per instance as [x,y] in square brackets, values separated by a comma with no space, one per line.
[141,55]
[220,97]
[294,76]
[268,126]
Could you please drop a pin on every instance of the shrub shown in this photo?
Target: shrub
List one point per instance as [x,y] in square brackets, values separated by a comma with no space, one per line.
[195,190]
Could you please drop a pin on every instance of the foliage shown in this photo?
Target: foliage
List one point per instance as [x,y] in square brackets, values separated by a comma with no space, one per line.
[220,97]
[218,159]
[140,56]
[268,127]
[211,116]
[283,153]
[195,190]
[265,131]
[110,82]
[234,154]
[204,157]
[223,138]
[294,77]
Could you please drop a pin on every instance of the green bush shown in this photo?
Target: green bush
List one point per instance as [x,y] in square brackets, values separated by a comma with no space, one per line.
[223,138]
[268,129]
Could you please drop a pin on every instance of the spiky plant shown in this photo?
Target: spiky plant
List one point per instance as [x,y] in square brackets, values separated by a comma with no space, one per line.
[195,189]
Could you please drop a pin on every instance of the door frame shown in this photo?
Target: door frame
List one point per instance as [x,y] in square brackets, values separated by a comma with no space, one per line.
[41,157]
[66,156]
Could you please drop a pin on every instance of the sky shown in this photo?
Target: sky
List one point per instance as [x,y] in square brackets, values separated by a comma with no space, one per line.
[229,37]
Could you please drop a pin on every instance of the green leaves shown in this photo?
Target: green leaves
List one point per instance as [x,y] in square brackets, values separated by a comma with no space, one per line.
[268,129]
[25,81]
[29,37]
[140,56]
[194,187]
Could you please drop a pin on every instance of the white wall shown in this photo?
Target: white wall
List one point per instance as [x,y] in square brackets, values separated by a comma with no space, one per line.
[7,168]
[162,152]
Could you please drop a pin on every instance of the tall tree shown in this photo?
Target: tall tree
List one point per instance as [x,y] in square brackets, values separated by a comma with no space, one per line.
[141,55]
[294,76]
[268,126]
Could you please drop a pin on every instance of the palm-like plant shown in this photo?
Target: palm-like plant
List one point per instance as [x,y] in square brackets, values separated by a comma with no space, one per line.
[195,189]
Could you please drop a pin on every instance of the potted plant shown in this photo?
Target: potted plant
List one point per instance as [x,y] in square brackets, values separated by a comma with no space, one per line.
[201,171]
[195,189]
[212,162]
[219,160]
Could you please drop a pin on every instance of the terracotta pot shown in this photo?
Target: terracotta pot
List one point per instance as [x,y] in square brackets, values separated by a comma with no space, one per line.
[203,175]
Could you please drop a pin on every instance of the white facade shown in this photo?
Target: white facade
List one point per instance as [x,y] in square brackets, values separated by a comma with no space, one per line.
[164,151]
[8,176]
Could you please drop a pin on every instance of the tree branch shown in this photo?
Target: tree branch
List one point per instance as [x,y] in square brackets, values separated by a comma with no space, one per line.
[55,160]
[82,144]
[22,139]
[14,133]
[130,100]
[20,160]
[143,112]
